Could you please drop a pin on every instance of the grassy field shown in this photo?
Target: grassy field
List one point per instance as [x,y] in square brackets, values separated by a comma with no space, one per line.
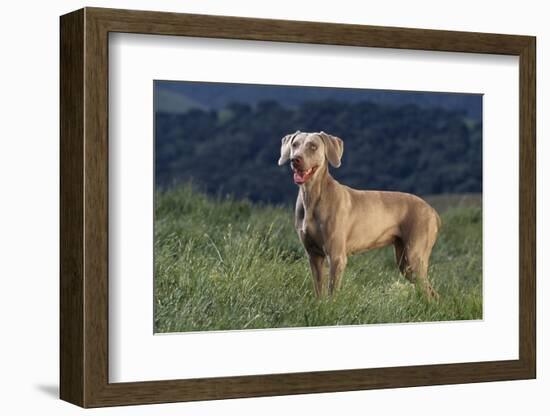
[223,264]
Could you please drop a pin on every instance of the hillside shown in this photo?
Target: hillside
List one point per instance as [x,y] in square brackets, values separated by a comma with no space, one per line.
[224,264]
[216,96]
[235,150]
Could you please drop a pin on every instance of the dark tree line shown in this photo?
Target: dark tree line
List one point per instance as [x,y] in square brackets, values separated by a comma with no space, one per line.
[235,150]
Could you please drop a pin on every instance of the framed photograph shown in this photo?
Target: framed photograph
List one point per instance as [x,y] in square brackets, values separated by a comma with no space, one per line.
[254,207]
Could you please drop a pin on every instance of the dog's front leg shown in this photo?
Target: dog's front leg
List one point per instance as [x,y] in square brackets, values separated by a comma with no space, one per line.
[337,267]
[337,259]
[316,263]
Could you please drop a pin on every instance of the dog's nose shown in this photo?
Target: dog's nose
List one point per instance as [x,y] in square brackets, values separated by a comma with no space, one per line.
[297,160]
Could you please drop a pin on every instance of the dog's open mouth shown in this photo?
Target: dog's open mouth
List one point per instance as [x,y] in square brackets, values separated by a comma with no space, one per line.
[302,176]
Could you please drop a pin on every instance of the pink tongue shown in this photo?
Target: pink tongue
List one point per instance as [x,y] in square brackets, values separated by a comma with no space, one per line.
[298,178]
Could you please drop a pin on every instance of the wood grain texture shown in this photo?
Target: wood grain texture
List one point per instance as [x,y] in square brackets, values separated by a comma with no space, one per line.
[84,207]
[227,27]
[71,186]
[527,207]
[96,208]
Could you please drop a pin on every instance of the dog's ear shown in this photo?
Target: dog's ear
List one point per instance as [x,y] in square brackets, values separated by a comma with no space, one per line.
[285,147]
[334,148]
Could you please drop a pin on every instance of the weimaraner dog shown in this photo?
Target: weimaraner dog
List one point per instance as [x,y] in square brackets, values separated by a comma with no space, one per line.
[334,220]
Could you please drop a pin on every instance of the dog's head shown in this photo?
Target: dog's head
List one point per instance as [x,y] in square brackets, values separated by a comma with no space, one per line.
[308,152]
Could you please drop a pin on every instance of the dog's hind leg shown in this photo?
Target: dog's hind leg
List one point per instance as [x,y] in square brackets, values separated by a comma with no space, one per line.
[418,249]
[402,260]
[421,271]
[400,255]
[418,267]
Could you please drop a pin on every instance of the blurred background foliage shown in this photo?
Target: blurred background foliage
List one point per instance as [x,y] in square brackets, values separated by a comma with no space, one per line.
[225,138]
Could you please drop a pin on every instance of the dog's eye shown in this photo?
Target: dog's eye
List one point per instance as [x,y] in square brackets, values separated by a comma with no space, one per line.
[294,144]
[313,147]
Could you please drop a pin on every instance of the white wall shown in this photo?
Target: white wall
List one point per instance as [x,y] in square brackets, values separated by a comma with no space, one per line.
[29,209]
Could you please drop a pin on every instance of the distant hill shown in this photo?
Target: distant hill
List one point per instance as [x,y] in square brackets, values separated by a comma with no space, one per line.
[168,101]
[184,95]
[234,150]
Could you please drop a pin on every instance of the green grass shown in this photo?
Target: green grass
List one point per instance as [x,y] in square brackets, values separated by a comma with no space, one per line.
[224,264]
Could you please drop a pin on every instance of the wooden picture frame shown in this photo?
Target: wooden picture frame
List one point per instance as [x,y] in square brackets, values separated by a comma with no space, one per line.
[84,207]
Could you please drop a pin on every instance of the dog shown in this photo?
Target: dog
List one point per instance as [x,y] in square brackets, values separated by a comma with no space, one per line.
[334,221]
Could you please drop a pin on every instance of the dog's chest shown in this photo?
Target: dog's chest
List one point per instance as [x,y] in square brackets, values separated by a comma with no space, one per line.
[309,228]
